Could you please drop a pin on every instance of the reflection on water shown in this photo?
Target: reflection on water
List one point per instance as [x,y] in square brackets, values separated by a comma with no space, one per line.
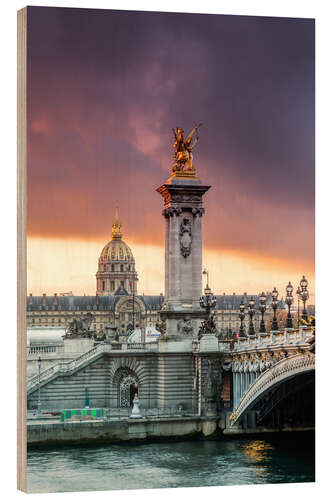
[166,465]
[257,452]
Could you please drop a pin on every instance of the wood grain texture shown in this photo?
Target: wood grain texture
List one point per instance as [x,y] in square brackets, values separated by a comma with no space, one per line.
[21,246]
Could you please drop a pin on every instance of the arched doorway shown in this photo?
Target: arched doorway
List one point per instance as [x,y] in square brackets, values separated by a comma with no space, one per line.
[127,386]
[127,390]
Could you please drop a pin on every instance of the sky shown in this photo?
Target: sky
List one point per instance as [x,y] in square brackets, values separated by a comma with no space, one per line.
[104,90]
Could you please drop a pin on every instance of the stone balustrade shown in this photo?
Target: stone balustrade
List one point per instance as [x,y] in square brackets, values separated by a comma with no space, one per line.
[286,337]
[33,352]
[65,367]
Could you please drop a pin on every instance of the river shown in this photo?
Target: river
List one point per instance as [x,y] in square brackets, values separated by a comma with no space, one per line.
[280,458]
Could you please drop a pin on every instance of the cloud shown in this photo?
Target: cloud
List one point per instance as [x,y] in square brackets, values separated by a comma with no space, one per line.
[104,90]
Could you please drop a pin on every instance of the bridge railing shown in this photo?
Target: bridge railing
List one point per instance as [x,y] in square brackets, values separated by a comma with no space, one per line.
[261,340]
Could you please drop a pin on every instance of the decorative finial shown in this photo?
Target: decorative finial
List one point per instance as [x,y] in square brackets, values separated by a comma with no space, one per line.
[116,227]
[183,156]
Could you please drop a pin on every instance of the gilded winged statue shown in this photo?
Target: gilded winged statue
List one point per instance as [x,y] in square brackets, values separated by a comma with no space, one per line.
[183,156]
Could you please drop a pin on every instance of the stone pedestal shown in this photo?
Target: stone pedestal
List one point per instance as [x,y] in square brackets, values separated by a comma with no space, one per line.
[183,256]
[209,342]
[136,409]
[77,345]
[181,345]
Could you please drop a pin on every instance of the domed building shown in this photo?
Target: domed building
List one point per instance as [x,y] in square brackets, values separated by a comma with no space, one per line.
[116,272]
[115,303]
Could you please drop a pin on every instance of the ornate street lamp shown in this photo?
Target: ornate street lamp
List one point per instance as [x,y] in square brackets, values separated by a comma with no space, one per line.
[298,299]
[275,293]
[262,308]
[39,405]
[289,300]
[251,313]
[241,317]
[208,302]
[304,295]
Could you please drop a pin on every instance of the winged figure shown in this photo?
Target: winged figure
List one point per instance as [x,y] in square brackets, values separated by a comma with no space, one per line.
[183,155]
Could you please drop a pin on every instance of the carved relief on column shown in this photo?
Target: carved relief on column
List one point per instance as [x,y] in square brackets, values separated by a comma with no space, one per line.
[185,237]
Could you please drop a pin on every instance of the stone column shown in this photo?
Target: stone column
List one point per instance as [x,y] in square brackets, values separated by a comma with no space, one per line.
[166,260]
[197,259]
[174,263]
[183,256]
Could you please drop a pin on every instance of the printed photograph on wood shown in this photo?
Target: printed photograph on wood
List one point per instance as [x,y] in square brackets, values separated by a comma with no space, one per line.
[170,302]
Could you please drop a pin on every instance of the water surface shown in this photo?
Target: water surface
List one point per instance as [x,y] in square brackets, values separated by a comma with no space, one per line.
[286,458]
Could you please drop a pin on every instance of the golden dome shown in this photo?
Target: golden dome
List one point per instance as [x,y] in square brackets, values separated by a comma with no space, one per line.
[116,250]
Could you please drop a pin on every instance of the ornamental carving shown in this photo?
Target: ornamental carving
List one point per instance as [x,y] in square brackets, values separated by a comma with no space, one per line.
[256,363]
[185,327]
[80,327]
[161,326]
[171,212]
[185,237]
[186,198]
[198,212]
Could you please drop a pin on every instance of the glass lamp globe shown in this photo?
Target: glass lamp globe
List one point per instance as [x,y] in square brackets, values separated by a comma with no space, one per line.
[262,298]
[304,282]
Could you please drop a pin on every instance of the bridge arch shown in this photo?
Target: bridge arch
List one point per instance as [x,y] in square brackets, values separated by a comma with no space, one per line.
[281,372]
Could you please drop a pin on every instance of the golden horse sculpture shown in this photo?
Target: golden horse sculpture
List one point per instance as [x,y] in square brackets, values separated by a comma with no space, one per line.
[183,156]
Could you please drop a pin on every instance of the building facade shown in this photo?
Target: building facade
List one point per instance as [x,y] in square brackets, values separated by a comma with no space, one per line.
[117,302]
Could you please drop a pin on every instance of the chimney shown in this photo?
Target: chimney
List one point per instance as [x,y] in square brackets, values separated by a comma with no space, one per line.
[44,299]
[30,298]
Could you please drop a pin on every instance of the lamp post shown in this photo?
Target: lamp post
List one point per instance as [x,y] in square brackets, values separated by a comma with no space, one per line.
[275,293]
[208,302]
[251,313]
[262,308]
[304,295]
[241,317]
[298,297]
[289,300]
[39,406]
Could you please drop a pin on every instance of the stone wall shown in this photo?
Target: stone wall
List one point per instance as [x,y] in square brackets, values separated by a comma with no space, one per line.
[164,380]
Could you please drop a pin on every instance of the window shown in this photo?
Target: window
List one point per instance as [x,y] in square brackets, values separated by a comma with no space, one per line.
[112,267]
[112,286]
[122,283]
[121,267]
[103,285]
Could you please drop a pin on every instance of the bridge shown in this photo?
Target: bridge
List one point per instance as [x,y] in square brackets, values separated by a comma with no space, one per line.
[258,380]
[269,369]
